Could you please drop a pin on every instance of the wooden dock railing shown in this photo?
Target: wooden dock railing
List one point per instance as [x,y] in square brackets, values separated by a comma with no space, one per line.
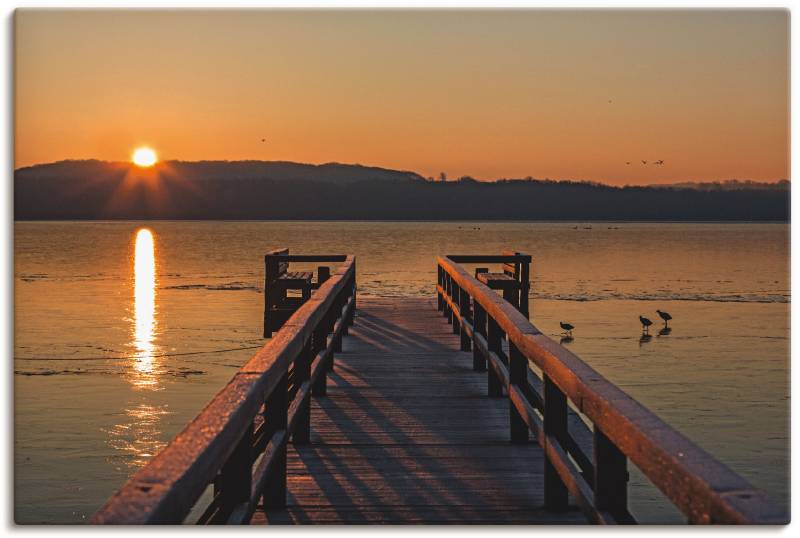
[238,442]
[589,464]
[588,428]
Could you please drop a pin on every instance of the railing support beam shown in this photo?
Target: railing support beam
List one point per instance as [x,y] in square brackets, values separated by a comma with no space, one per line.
[455,293]
[276,415]
[479,327]
[556,495]
[302,372]
[610,476]
[235,479]
[517,375]
[465,311]
[494,337]
[319,341]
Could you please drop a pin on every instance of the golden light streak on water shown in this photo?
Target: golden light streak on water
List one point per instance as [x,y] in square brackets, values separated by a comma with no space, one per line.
[137,437]
[144,309]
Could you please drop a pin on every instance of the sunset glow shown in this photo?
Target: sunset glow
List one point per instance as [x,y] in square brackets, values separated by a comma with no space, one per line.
[144,157]
[561,94]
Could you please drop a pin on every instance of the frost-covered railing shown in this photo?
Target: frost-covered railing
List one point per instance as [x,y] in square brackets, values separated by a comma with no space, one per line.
[238,442]
[591,465]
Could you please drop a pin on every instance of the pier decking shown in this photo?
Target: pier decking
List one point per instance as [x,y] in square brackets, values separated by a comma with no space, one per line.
[453,409]
[387,448]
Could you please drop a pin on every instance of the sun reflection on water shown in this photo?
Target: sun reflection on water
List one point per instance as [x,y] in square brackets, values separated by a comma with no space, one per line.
[137,436]
[144,310]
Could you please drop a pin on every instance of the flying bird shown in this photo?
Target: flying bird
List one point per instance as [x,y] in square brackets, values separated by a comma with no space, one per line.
[644,162]
[665,316]
[263,139]
[567,327]
[660,161]
[645,323]
[627,162]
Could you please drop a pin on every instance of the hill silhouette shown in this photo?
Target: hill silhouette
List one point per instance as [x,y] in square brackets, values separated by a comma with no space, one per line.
[240,190]
[204,170]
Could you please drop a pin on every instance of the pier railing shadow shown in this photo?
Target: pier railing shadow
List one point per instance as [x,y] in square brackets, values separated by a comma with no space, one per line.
[591,465]
[402,463]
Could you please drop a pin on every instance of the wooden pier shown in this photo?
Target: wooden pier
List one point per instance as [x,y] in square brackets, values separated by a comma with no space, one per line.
[448,409]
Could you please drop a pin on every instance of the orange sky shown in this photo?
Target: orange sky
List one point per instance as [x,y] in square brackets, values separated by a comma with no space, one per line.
[558,94]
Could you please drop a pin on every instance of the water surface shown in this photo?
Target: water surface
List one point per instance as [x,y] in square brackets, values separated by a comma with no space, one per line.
[121,336]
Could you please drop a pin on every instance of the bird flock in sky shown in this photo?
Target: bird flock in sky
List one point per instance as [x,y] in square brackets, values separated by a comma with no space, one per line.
[659,162]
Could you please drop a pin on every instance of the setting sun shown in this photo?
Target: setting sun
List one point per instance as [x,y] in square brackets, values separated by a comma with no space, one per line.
[144,157]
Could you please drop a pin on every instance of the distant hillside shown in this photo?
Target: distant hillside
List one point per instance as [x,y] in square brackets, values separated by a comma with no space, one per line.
[275,190]
[729,185]
[204,170]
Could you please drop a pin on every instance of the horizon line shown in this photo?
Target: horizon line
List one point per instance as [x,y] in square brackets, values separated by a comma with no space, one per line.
[776,181]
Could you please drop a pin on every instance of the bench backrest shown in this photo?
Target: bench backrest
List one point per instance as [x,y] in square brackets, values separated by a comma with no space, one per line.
[275,267]
[509,268]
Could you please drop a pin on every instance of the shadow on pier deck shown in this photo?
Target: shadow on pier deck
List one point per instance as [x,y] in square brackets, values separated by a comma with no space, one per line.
[407,434]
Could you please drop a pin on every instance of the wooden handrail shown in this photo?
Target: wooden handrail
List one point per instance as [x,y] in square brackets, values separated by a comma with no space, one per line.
[252,417]
[700,486]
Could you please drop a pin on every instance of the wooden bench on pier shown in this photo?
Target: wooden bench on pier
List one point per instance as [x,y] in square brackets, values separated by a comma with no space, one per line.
[402,413]
[513,280]
[279,282]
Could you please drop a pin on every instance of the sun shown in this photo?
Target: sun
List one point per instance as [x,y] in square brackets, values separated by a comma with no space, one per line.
[144,157]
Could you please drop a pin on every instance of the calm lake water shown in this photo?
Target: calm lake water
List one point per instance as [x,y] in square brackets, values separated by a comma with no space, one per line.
[119,343]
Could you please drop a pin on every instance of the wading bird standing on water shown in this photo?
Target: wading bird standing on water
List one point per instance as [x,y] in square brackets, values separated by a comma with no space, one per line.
[645,324]
[665,316]
[567,327]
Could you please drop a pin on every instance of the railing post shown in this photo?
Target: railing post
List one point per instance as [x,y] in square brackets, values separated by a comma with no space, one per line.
[345,319]
[555,427]
[235,478]
[512,296]
[518,376]
[525,286]
[323,274]
[353,289]
[270,268]
[463,306]
[448,312]
[610,475]
[440,281]
[332,317]
[276,415]
[493,338]
[302,372]
[319,341]
[479,327]
[454,296]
